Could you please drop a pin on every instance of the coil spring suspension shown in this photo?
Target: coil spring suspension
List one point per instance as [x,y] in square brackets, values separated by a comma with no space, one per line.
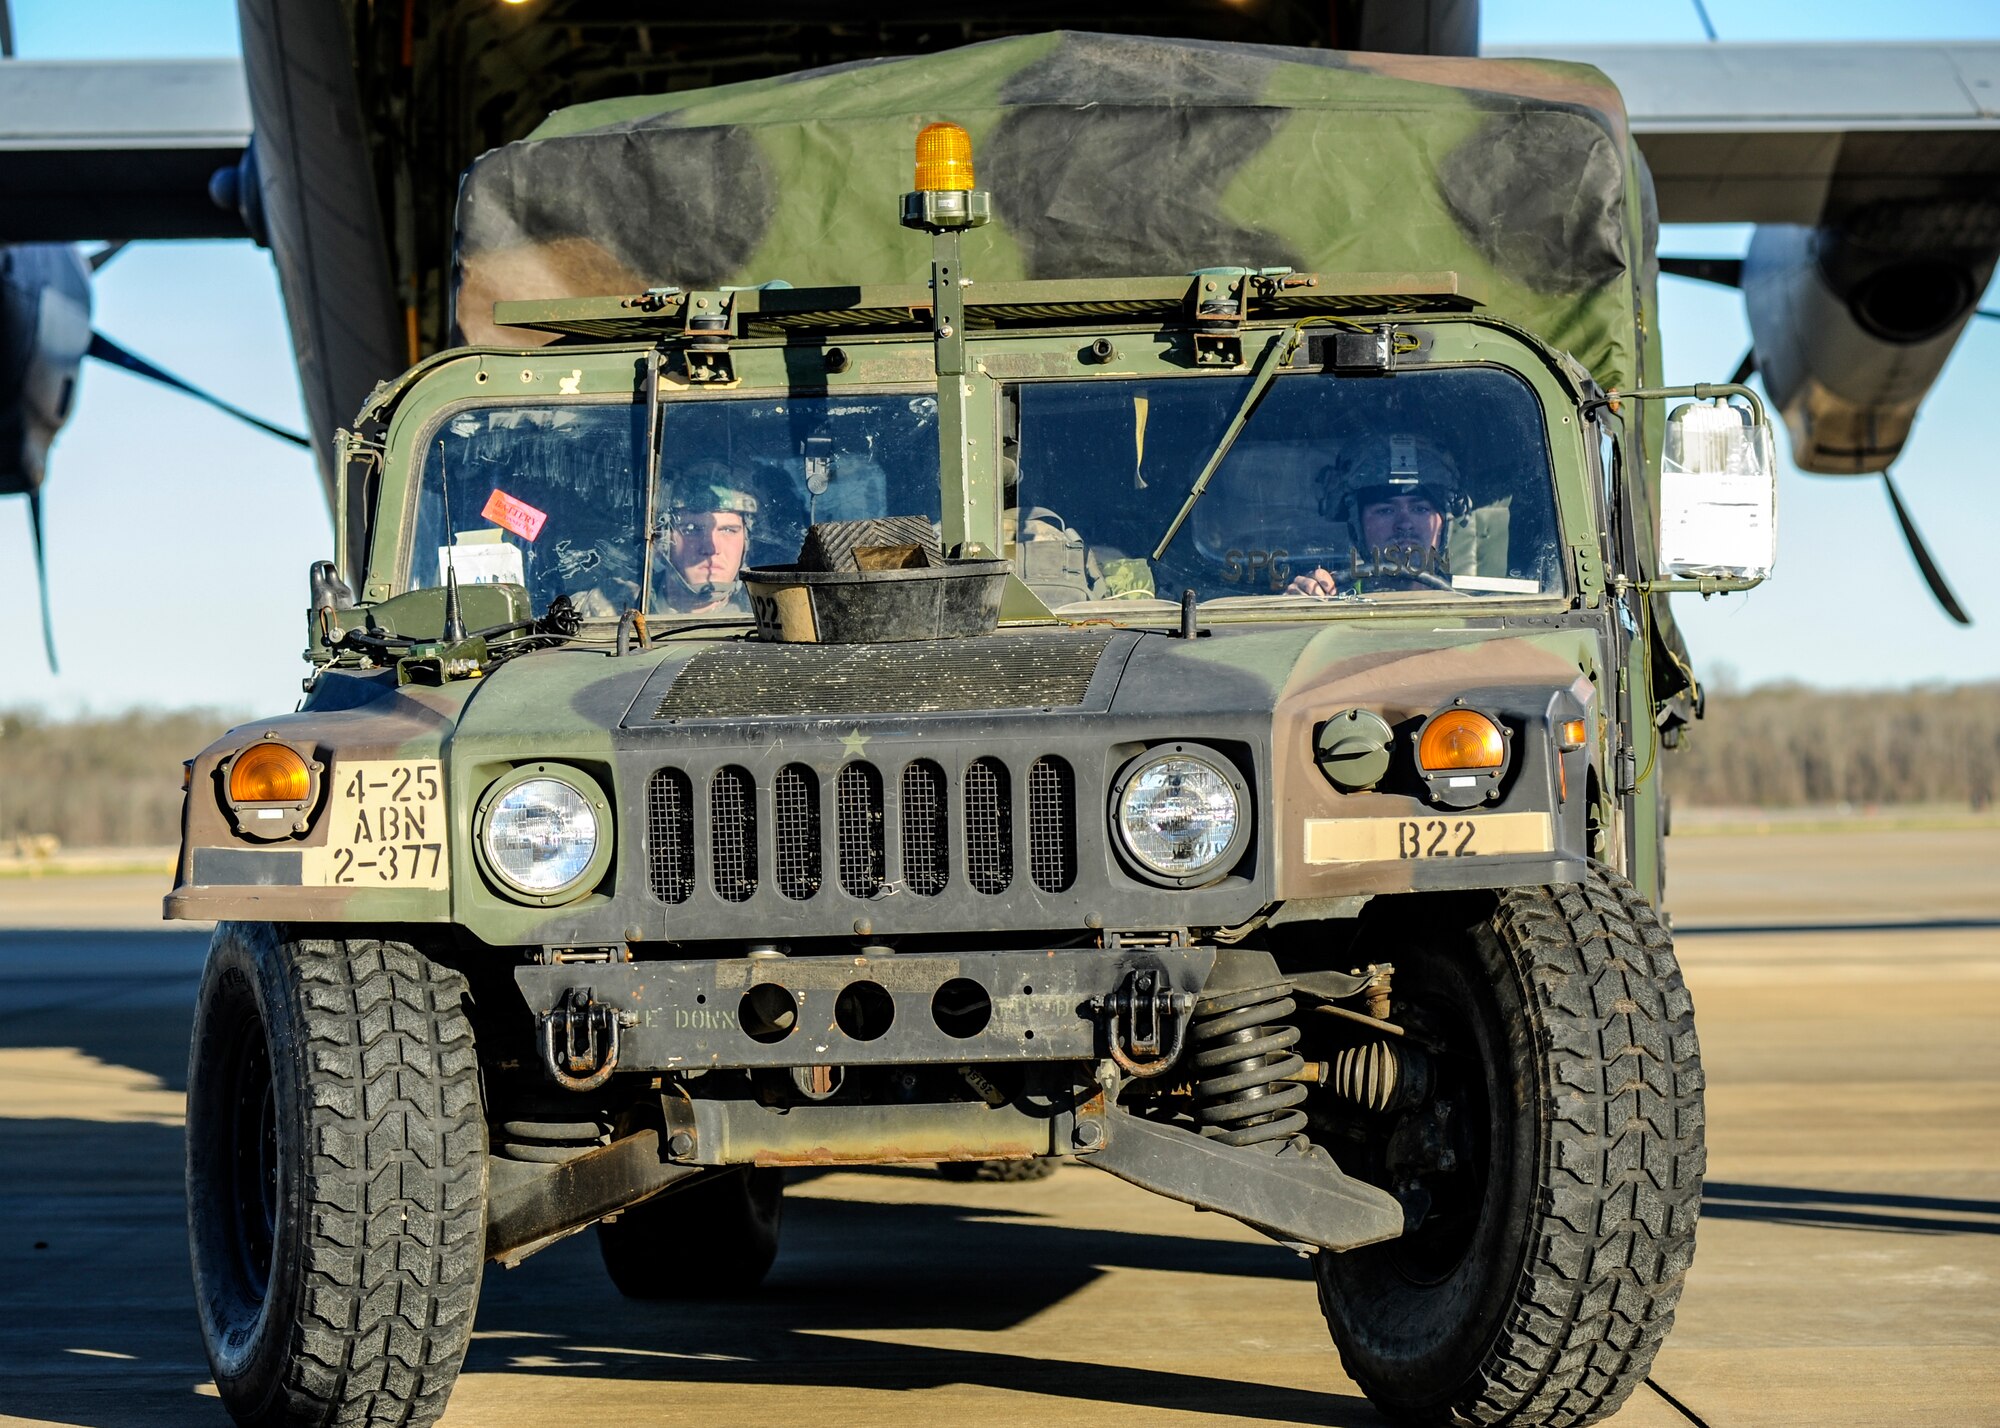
[1243,1065]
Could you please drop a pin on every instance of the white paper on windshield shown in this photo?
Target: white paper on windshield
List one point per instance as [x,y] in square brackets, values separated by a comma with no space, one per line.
[1496,585]
[1715,523]
[483,564]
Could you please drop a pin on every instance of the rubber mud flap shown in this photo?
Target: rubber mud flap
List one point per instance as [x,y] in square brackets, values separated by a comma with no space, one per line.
[1298,1197]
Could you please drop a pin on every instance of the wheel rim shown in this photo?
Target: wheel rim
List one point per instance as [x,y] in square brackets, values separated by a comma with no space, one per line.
[253,1161]
[1440,1155]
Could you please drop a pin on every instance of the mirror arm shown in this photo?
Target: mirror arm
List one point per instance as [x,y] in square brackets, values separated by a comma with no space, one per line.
[1705,584]
[1700,391]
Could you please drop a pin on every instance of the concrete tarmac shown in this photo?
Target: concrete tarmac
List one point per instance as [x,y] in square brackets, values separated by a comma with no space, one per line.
[1848,1273]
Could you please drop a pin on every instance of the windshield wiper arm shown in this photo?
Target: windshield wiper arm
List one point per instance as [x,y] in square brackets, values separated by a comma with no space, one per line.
[1275,356]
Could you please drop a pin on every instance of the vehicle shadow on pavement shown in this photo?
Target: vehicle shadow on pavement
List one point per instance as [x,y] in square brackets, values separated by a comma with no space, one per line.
[1849,1209]
[850,1271]
[90,991]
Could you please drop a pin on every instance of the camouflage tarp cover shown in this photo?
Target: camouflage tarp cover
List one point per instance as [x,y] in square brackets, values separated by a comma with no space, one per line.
[1105,155]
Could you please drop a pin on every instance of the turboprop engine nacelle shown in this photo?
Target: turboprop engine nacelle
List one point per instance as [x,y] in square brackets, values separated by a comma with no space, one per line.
[1852,324]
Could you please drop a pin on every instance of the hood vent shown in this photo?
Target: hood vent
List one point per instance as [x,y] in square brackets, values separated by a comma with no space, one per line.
[1002,671]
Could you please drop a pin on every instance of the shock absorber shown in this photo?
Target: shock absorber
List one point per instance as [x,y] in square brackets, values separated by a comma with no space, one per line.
[1244,1065]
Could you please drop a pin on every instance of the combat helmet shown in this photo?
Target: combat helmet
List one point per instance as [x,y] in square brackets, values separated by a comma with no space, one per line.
[1379,465]
[709,485]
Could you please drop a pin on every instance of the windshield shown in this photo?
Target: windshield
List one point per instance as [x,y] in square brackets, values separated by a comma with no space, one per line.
[552,495]
[1426,484]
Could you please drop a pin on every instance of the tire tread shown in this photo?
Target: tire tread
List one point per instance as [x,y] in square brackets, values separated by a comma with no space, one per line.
[394,1200]
[1609,1255]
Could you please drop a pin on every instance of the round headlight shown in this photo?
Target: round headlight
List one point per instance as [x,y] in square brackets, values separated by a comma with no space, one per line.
[541,836]
[1179,815]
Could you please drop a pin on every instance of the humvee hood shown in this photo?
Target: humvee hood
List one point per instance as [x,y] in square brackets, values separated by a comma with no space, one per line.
[1312,670]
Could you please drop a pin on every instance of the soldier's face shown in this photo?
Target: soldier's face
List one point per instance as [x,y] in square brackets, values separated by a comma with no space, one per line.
[1401,520]
[707,547]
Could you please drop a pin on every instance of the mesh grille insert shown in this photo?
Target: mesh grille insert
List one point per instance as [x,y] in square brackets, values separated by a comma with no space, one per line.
[858,797]
[1051,815]
[670,835]
[989,826]
[1001,671]
[732,834]
[795,796]
[926,829]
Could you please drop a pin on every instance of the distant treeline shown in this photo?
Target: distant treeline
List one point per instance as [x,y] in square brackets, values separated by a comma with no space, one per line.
[98,782]
[116,781]
[1787,746]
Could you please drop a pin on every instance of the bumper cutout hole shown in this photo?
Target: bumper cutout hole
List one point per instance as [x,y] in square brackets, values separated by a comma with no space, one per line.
[767,1013]
[961,1008]
[864,1010]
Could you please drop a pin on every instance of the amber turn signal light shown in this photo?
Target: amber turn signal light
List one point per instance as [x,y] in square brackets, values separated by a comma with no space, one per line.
[1572,734]
[1461,739]
[944,158]
[269,773]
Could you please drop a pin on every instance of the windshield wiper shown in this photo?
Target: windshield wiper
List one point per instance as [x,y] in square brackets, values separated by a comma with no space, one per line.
[1276,355]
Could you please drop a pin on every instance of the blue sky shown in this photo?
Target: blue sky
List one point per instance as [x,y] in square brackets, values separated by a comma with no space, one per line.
[178,540]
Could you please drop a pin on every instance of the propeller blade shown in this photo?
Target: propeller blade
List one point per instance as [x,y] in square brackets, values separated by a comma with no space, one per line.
[1724,272]
[105,350]
[1745,369]
[1986,312]
[105,254]
[42,578]
[1933,577]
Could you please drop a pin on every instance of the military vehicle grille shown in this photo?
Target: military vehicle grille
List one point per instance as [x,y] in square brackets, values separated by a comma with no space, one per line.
[732,835]
[795,800]
[670,835]
[918,825]
[1002,671]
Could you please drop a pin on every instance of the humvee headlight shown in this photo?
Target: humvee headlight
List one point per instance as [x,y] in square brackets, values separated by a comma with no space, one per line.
[944,158]
[1179,813]
[541,836]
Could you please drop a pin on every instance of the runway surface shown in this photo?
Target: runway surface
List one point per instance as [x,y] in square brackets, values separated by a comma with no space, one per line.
[1848,1273]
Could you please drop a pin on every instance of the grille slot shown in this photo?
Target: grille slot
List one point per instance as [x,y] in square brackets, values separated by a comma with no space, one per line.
[670,835]
[732,835]
[858,797]
[1051,816]
[989,826]
[795,804]
[926,829]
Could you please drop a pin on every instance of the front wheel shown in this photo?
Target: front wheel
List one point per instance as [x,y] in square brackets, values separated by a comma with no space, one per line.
[336,1178]
[1553,1173]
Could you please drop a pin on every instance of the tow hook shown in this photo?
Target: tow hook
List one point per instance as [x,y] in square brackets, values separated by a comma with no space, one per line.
[1145,1021]
[580,1040]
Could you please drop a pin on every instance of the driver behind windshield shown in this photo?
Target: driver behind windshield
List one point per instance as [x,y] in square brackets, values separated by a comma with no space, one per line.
[704,536]
[1394,494]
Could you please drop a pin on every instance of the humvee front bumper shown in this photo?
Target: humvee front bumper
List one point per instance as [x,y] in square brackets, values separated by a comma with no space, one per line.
[1021,1012]
[957,1009]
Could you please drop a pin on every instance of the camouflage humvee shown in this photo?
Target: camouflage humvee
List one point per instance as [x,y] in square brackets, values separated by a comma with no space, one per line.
[1207,726]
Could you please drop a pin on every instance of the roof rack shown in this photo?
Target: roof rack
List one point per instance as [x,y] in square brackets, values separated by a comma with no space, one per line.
[774,312]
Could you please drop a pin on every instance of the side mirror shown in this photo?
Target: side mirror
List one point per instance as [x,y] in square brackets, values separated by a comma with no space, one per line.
[1718,493]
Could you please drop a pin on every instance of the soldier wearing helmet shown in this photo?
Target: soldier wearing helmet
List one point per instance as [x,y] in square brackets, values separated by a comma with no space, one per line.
[703,534]
[1394,495]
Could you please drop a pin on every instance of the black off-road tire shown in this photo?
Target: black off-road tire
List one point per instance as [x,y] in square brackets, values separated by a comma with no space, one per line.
[998,1171]
[1589,1180]
[716,1239]
[336,1178]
